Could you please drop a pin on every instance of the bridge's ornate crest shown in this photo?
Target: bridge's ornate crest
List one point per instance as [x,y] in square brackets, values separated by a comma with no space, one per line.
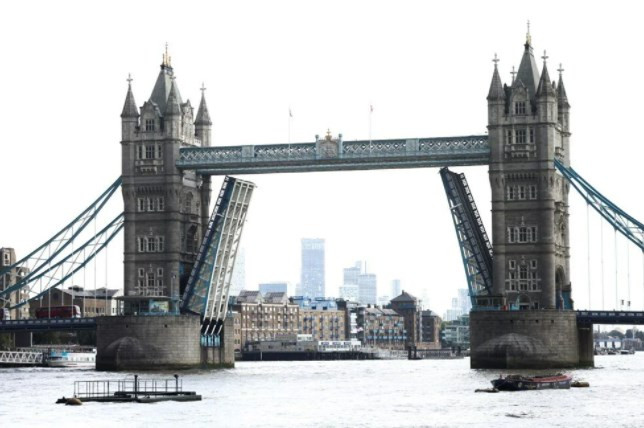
[328,147]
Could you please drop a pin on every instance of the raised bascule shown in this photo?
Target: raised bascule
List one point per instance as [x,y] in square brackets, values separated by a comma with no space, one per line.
[179,257]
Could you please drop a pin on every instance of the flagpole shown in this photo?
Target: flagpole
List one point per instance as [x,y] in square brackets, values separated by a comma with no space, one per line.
[370,115]
[290,119]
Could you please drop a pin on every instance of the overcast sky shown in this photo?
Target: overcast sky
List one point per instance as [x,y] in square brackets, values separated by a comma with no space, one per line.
[424,66]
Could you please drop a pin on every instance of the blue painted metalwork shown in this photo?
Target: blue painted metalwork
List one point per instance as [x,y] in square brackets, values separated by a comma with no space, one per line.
[49,251]
[97,243]
[476,249]
[335,155]
[610,317]
[208,286]
[48,324]
[198,288]
[627,225]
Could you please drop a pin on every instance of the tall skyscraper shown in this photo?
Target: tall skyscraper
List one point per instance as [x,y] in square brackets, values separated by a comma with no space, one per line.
[312,273]
[395,288]
[367,288]
[356,277]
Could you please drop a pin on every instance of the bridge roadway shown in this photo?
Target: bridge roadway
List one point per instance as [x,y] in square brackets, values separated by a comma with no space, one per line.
[336,155]
[43,324]
[57,324]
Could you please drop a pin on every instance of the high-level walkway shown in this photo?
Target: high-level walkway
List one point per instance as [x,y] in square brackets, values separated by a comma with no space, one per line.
[336,155]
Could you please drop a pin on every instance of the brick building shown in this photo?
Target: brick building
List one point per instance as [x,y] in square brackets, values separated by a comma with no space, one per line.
[263,318]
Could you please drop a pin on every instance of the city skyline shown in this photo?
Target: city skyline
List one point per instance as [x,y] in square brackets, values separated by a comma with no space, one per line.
[417,83]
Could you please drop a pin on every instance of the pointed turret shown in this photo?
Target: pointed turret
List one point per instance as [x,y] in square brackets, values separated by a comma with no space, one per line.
[496,87]
[161,90]
[528,73]
[562,98]
[203,117]
[545,84]
[172,107]
[130,113]
[129,108]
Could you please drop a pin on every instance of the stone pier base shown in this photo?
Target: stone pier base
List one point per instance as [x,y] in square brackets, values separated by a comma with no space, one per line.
[543,339]
[148,342]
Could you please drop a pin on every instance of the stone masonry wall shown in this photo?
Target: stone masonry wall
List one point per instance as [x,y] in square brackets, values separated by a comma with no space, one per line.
[148,343]
[524,339]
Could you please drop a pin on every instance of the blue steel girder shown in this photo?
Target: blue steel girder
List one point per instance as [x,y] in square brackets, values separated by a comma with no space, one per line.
[475,246]
[626,224]
[341,155]
[209,283]
[49,251]
[62,270]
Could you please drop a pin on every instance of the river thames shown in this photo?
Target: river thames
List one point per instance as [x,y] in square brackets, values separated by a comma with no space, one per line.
[391,393]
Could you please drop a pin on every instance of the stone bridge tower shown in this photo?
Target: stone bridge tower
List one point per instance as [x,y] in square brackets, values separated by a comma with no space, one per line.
[528,126]
[165,210]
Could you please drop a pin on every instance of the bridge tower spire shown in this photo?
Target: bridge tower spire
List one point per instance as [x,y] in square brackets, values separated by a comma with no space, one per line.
[529,197]
[165,208]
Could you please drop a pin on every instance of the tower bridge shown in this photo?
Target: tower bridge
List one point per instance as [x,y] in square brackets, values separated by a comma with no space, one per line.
[178,257]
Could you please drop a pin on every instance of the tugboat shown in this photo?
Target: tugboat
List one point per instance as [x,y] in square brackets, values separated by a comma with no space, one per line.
[523,383]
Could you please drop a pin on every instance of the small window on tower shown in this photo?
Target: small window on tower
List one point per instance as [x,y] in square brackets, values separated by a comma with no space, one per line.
[509,136]
[519,108]
[520,136]
[141,272]
[149,124]
[533,192]
[160,203]
[531,135]
[141,204]
[149,152]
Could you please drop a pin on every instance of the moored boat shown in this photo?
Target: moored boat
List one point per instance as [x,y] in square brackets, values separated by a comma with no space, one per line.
[522,383]
[71,358]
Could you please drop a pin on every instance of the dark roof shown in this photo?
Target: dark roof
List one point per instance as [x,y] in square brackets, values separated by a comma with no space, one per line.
[203,117]
[161,90]
[404,297]
[129,108]
[528,73]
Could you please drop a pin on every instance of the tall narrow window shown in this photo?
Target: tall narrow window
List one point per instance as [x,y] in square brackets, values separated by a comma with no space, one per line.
[160,204]
[139,152]
[519,108]
[140,204]
[149,124]
[150,279]
[509,136]
[531,135]
[159,151]
[160,244]
[152,245]
[520,136]
[533,192]
[511,193]
[151,204]
[149,152]
[522,192]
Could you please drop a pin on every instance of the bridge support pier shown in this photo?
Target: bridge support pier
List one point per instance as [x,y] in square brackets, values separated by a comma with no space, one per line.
[541,339]
[586,346]
[148,342]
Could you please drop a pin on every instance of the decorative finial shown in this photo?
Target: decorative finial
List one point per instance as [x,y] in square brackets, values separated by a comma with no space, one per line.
[495,60]
[167,61]
[545,57]
[528,37]
[328,134]
[513,73]
[129,79]
[560,69]
[202,89]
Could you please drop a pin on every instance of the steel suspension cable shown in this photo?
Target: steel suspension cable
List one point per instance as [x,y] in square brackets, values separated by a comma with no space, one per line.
[588,252]
[601,225]
[616,274]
